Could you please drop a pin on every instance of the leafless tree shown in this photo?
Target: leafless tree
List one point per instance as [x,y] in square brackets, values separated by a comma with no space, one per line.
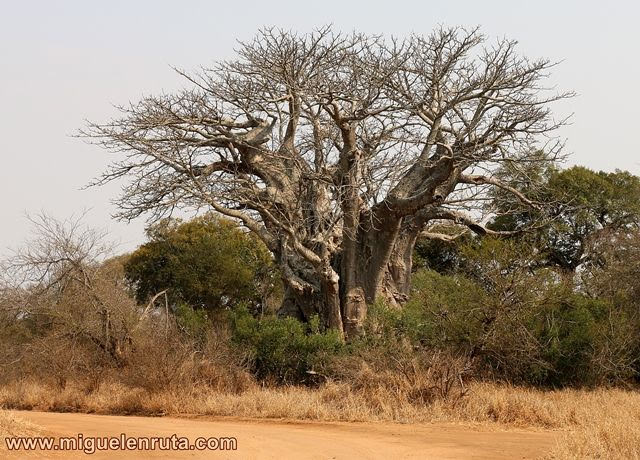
[337,151]
[60,280]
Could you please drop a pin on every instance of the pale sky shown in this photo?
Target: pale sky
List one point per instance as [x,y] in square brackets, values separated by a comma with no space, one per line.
[65,61]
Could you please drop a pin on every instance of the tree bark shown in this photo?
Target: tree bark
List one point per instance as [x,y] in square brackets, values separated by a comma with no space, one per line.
[378,266]
[397,277]
[321,298]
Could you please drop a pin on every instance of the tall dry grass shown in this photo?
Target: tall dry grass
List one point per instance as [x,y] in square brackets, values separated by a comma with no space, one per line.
[602,424]
[597,424]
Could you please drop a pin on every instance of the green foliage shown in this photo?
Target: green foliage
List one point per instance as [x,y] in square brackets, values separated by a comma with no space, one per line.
[193,322]
[432,318]
[580,204]
[519,325]
[441,256]
[284,349]
[207,263]
[589,203]
[598,198]
[567,329]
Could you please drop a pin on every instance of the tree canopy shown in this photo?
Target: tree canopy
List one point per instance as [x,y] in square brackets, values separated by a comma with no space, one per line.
[582,207]
[208,263]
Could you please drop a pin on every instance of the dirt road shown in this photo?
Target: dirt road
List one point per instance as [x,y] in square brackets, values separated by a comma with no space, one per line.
[258,439]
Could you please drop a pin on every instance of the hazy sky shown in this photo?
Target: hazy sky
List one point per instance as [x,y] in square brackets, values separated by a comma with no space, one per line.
[65,61]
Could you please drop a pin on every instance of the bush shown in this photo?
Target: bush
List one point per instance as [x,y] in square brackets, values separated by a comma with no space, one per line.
[284,349]
[194,323]
[520,326]
[168,359]
[399,374]
[445,310]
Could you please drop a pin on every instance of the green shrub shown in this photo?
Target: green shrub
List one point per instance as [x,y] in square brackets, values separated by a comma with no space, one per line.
[284,349]
[587,341]
[521,326]
[193,322]
[445,311]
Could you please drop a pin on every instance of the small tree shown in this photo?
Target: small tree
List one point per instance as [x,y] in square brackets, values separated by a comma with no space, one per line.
[208,263]
[65,291]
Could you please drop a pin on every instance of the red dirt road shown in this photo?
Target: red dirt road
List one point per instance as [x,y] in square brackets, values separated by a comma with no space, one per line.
[259,439]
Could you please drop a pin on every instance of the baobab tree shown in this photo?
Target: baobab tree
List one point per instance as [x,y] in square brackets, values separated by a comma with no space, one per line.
[337,151]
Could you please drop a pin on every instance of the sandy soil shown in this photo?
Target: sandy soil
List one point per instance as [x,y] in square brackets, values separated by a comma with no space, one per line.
[297,440]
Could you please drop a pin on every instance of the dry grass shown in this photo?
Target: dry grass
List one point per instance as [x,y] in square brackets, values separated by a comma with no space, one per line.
[610,438]
[10,425]
[598,424]
[602,423]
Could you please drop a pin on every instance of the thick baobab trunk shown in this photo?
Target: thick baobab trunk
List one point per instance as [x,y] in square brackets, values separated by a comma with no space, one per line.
[383,267]
[397,279]
[362,269]
[378,266]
